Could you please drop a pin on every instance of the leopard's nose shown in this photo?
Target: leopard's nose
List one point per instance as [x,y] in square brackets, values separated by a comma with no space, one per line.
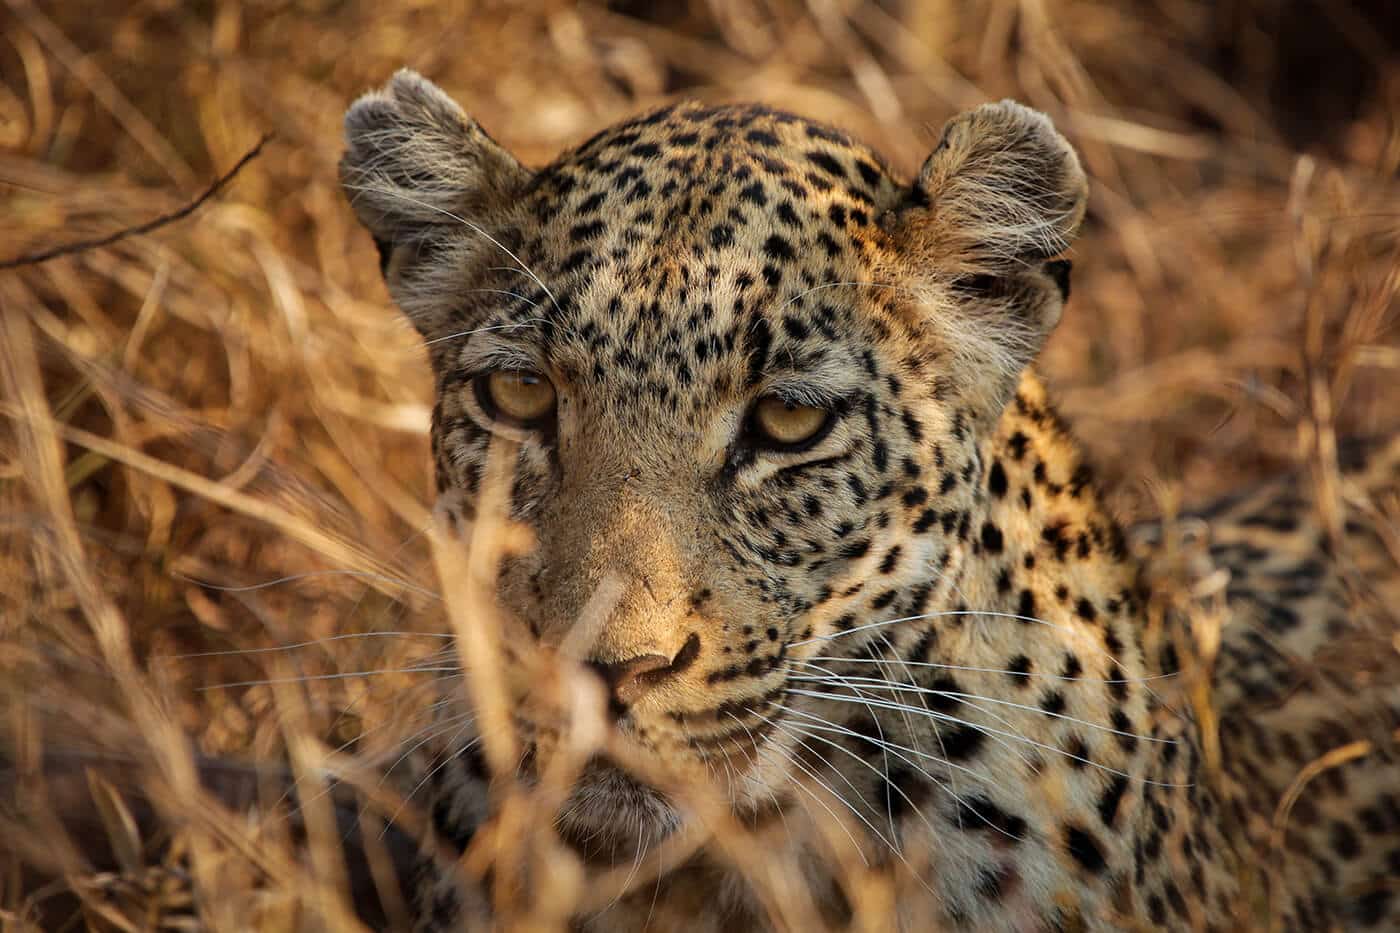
[629,679]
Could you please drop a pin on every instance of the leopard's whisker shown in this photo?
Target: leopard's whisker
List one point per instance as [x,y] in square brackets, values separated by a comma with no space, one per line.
[982,728]
[453,752]
[954,613]
[996,670]
[331,777]
[349,636]
[343,675]
[897,748]
[754,746]
[814,721]
[874,718]
[308,575]
[514,325]
[941,614]
[802,737]
[883,637]
[924,710]
[436,729]
[637,858]
[895,686]
[803,294]
[1089,647]
[790,759]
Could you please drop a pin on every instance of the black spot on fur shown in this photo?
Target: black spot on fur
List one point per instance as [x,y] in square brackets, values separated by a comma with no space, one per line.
[1085,849]
[979,814]
[1124,725]
[1111,798]
[996,480]
[826,163]
[902,791]
[961,743]
[991,538]
[1344,840]
[1026,609]
[1019,669]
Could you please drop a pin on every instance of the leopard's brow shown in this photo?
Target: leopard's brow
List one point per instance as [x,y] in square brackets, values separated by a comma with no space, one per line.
[486,351]
[826,378]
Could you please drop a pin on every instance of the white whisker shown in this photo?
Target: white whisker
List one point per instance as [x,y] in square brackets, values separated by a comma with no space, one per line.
[792,760]
[310,574]
[446,760]
[895,686]
[826,725]
[995,670]
[518,325]
[832,727]
[803,294]
[304,644]
[438,728]
[981,728]
[346,675]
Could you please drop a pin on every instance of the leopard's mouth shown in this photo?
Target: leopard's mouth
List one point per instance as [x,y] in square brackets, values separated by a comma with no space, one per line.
[611,816]
[612,813]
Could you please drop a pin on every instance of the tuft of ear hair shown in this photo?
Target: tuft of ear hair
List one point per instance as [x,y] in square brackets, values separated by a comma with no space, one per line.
[414,161]
[1002,191]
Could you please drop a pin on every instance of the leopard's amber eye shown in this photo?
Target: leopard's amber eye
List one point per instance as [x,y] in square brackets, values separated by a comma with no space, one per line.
[780,423]
[516,396]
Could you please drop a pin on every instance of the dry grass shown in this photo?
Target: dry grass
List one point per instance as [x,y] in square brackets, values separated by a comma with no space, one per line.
[214,438]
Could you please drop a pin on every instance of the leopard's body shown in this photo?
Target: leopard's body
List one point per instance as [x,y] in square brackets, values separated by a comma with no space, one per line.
[924,608]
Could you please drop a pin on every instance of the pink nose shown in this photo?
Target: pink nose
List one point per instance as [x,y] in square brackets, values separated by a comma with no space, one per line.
[628,680]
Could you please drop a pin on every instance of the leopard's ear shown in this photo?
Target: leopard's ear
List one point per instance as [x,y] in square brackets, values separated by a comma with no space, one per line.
[414,163]
[1003,191]
[996,201]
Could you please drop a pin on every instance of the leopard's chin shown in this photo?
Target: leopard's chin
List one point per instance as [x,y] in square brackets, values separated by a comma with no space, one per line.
[611,817]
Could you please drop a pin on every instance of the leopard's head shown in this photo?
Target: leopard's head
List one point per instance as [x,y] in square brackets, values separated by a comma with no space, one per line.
[739,370]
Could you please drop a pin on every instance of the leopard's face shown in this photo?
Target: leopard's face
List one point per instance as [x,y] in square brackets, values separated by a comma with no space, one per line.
[734,374]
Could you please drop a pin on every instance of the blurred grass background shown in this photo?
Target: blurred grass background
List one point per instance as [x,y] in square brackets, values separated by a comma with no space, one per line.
[231,401]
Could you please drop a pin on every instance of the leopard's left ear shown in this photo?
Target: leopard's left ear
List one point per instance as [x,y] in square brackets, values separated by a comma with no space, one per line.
[1003,191]
[999,198]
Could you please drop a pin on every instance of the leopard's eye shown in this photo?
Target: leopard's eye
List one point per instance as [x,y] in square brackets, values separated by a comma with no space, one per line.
[515,396]
[781,424]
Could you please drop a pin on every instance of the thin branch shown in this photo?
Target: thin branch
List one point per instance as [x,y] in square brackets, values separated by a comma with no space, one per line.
[81,246]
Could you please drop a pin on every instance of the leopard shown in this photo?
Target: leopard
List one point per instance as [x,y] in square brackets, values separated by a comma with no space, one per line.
[779,403]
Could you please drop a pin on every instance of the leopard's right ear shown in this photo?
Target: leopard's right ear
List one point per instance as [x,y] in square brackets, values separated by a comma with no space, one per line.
[415,163]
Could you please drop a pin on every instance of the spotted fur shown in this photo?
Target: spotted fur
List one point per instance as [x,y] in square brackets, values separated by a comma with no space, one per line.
[927,610]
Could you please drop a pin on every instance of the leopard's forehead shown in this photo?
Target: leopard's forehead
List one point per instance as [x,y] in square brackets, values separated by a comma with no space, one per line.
[691,149]
[700,242]
[714,183]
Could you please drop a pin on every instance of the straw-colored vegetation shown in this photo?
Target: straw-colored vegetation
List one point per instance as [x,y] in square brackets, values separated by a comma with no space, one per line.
[213,438]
